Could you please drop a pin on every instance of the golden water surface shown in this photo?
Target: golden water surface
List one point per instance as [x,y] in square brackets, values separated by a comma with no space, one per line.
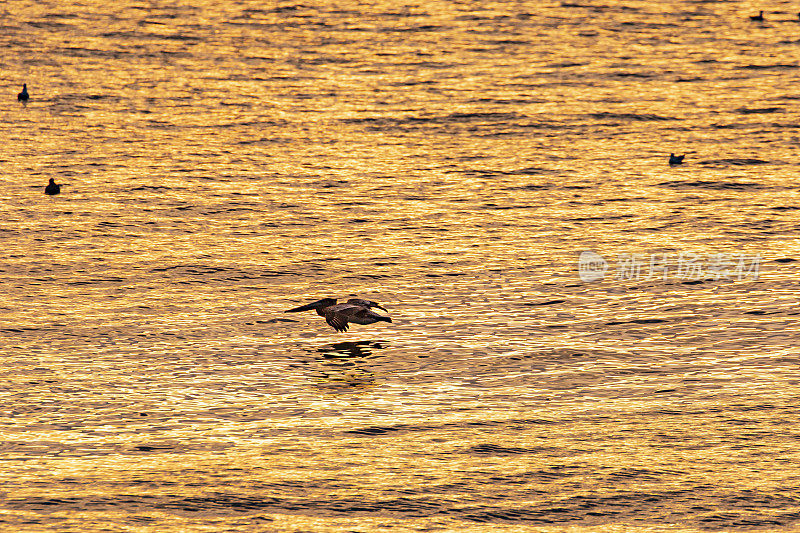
[222,162]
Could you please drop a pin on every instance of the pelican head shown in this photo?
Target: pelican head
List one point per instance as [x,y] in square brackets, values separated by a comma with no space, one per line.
[319,304]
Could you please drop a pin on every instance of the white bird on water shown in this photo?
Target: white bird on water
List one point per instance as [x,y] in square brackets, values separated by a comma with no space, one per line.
[356,310]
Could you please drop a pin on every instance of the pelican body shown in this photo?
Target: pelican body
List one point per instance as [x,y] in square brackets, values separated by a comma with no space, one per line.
[23,96]
[339,316]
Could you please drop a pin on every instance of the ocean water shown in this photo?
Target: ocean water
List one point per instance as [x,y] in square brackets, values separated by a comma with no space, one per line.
[584,338]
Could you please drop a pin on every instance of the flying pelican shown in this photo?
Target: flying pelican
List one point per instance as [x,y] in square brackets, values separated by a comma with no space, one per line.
[52,187]
[23,96]
[676,159]
[336,315]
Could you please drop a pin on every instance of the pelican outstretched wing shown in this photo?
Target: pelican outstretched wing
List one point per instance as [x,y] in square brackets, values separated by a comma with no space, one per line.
[338,322]
[338,315]
[318,306]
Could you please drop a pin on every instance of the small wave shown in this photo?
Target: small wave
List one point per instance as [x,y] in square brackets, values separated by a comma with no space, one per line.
[638,321]
[777,66]
[567,64]
[532,171]
[376,430]
[442,119]
[735,161]
[632,75]
[757,110]
[629,116]
[496,449]
[549,302]
[415,29]
[718,185]
[531,187]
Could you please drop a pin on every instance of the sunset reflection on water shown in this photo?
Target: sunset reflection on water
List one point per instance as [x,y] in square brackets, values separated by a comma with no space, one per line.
[222,163]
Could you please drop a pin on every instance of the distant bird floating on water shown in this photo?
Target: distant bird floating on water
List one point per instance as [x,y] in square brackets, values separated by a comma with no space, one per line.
[52,187]
[758,17]
[356,310]
[676,159]
[23,96]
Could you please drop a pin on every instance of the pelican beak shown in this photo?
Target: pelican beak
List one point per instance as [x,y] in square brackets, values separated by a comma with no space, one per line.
[381,307]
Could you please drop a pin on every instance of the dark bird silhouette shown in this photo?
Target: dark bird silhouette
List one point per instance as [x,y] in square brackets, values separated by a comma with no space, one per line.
[676,159]
[52,187]
[23,96]
[758,17]
[337,316]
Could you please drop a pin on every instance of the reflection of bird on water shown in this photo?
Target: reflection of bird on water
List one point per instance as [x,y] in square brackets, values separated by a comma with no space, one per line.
[52,187]
[356,310]
[23,96]
[676,159]
[341,365]
[758,17]
[349,349]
